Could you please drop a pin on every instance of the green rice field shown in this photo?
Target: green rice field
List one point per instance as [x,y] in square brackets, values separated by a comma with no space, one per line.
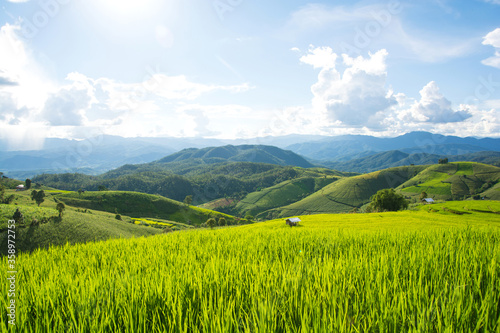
[432,269]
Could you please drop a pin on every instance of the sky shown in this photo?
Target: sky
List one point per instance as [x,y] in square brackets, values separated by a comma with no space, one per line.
[244,69]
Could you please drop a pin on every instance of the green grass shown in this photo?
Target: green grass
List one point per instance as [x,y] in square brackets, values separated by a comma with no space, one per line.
[411,271]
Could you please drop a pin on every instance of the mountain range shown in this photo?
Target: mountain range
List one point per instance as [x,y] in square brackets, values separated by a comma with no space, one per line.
[99,154]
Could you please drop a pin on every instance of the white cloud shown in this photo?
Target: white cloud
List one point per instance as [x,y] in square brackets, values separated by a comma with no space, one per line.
[351,97]
[493,39]
[320,57]
[355,97]
[433,107]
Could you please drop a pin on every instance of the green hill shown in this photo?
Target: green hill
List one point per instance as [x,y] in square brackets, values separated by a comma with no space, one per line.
[91,216]
[280,195]
[454,181]
[349,193]
[76,226]
[138,205]
[303,182]
[241,153]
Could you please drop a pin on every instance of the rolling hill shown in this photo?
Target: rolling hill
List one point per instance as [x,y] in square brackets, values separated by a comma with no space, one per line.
[457,180]
[138,205]
[92,216]
[76,225]
[288,191]
[348,193]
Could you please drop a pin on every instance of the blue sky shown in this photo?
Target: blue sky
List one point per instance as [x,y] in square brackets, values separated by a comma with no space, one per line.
[241,68]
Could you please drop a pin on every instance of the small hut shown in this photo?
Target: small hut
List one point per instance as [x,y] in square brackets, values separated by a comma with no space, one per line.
[293,221]
[20,188]
[428,201]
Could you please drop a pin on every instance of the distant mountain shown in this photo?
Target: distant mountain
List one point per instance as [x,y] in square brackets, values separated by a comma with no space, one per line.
[242,153]
[337,148]
[92,156]
[99,154]
[102,153]
[395,158]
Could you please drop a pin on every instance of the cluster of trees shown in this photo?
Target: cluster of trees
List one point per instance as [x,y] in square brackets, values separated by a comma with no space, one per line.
[38,196]
[387,200]
[221,221]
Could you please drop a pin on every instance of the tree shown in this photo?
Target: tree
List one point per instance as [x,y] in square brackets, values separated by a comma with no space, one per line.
[211,222]
[60,208]
[248,217]
[38,196]
[28,183]
[188,199]
[222,221]
[102,188]
[80,191]
[423,195]
[443,160]
[18,216]
[2,192]
[387,200]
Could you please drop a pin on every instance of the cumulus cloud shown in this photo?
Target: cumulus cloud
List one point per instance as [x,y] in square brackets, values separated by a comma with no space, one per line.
[493,39]
[320,57]
[351,95]
[433,107]
[356,96]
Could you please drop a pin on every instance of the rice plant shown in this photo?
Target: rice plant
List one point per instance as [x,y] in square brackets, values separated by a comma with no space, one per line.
[265,278]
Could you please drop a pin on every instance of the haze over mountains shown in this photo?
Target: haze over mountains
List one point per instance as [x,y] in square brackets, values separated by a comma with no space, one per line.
[356,153]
